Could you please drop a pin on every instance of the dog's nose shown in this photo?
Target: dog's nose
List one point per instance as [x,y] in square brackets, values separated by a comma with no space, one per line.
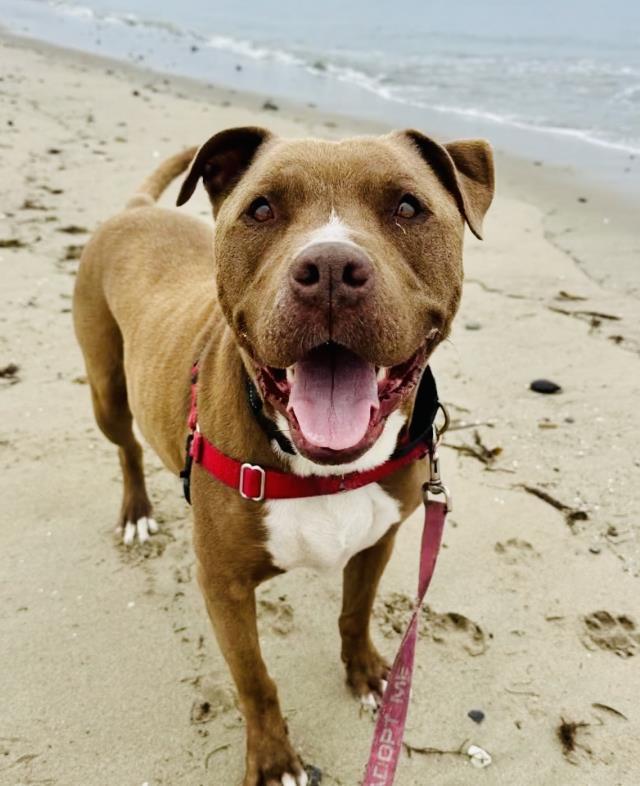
[336,273]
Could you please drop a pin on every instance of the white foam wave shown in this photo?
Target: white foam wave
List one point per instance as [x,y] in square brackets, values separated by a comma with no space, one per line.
[253,51]
[380,85]
[585,135]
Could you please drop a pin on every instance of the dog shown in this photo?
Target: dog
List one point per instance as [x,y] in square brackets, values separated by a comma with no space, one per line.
[311,309]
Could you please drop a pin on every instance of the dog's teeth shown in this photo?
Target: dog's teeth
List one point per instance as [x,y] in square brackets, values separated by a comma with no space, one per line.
[291,372]
[382,374]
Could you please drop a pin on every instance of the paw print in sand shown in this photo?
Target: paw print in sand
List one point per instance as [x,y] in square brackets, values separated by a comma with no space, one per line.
[394,612]
[614,632]
[516,551]
[277,614]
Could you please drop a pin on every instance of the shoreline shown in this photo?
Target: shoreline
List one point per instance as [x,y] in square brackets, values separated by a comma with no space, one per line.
[598,211]
[531,615]
[166,44]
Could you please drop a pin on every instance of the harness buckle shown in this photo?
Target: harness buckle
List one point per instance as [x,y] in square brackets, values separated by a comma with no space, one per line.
[241,484]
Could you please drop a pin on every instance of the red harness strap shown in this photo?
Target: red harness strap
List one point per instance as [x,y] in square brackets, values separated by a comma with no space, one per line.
[257,483]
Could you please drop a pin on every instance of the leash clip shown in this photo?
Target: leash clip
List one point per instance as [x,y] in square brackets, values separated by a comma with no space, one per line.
[435,485]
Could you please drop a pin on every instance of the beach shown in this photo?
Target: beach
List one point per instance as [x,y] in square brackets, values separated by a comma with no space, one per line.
[110,672]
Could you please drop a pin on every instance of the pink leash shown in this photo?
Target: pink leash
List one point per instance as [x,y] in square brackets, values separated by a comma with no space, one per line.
[392,713]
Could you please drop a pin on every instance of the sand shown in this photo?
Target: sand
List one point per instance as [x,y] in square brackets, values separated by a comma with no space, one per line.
[110,673]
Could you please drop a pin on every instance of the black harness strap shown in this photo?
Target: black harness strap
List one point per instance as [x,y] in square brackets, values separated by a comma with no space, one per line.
[267,425]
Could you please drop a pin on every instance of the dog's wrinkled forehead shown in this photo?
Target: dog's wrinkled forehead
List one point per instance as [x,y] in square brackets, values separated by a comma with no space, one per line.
[321,169]
[251,162]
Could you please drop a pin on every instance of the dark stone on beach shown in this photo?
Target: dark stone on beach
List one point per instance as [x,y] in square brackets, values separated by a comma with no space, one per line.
[194,48]
[584,200]
[238,67]
[268,104]
[472,326]
[545,386]
[135,93]
[477,716]
[54,151]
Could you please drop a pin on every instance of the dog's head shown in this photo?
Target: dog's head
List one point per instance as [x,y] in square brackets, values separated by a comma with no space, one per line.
[339,268]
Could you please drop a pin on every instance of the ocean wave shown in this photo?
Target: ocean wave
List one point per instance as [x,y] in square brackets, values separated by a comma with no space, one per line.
[253,51]
[590,136]
[415,79]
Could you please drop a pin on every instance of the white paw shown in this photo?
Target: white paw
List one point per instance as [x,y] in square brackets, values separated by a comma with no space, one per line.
[369,701]
[142,529]
[290,780]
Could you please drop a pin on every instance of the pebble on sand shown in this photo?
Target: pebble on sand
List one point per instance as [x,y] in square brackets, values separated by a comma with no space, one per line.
[545,386]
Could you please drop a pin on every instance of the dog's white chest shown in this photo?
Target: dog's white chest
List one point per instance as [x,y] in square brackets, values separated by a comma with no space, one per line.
[325,532]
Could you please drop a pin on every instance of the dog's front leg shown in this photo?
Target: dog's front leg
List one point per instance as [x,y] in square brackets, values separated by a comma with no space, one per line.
[271,761]
[366,669]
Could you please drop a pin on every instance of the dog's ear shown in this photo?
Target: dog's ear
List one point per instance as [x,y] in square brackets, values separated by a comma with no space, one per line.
[466,169]
[222,161]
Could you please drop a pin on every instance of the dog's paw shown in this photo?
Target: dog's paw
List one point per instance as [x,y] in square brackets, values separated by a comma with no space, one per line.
[273,762]
[292,780]
[140,530]
[367,673]
[300,778]
[371,701]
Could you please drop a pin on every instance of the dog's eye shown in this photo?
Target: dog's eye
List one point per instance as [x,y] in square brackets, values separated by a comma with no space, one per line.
[408,207]
[260,210]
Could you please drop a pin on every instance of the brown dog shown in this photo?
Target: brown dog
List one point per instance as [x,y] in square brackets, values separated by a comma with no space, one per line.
[334,270]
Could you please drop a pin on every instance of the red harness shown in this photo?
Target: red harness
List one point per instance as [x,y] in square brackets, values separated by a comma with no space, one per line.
[258,483]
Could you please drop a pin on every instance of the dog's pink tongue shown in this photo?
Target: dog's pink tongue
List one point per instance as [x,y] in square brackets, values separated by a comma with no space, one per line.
[332,394]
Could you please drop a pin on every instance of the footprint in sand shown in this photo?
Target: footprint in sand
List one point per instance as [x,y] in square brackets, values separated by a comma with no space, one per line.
[394,612]
[617,633]
[216,697]
[277,614]
[516,552]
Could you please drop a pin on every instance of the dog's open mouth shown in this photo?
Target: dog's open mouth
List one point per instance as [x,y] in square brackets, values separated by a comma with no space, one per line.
[336,403]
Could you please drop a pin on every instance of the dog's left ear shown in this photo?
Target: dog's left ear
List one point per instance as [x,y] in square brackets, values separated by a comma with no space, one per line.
[222,161]
[466,169]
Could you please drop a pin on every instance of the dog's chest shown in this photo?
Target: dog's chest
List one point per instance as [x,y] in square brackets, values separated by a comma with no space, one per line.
[325,532]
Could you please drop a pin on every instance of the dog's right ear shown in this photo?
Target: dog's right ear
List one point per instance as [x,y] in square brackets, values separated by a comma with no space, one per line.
[222,161]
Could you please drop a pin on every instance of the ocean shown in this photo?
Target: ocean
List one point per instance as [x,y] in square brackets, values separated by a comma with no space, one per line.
[555,79]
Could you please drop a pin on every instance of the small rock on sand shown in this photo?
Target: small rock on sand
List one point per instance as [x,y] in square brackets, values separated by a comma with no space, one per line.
[545,386]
